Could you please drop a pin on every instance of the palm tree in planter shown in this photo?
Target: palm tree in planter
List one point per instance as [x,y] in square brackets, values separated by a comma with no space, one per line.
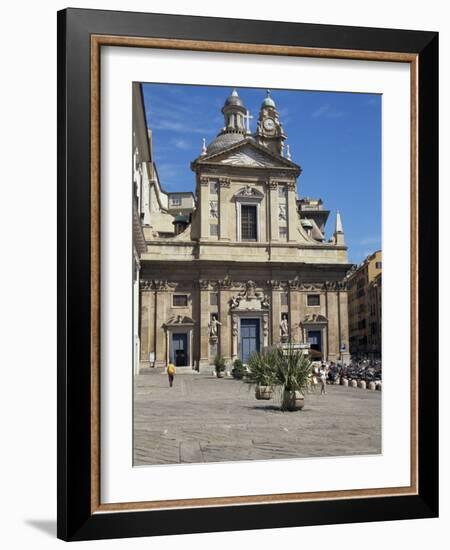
[238,370]
[219,365]
[292,374]
[261,372]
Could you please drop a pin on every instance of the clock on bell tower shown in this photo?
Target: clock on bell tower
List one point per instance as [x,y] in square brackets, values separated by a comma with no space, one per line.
[269,131]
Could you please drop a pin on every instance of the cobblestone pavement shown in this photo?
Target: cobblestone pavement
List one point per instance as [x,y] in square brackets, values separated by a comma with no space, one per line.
[205,419]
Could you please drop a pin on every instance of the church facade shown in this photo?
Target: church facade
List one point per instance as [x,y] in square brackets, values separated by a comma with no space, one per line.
[248,266]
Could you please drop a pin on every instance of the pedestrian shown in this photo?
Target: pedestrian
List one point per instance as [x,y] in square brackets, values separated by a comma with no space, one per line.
[323,379]
[171,370]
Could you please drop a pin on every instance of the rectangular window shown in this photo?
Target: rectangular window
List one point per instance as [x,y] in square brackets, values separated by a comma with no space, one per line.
[175,201]
[281,191]
[284,299]
[248,222]
[313,299]
[378,265]
[180,300]
[283,233]
[213,188]
[213,299]
[214,230]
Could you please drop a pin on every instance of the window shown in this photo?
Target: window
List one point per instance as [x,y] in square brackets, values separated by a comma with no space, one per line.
[378,265]
[248,222]
[282,191]
[283,232]
[175,201]
[284,299]
[213,188]
[214,230]
[213,299]
[313,299]
[180,300]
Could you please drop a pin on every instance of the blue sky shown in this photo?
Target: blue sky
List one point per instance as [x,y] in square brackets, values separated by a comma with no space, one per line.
[334,137]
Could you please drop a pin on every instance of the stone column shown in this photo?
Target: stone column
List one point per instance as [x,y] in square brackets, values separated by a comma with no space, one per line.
[146,321]
[273,224]
[203,204]
[161,308]
[224,317]
[294,314]
[203,325]
[333,326]
[276,311]
[224,209]
[343,307]
[292,211]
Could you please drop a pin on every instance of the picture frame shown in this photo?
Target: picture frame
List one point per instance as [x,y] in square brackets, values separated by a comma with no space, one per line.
[81,35]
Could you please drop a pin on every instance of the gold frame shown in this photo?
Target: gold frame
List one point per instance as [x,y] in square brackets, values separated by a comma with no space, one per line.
[97,41]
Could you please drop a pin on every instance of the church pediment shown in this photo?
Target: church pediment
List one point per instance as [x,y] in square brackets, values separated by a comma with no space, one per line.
[313,318]
[179,321]
[250,155]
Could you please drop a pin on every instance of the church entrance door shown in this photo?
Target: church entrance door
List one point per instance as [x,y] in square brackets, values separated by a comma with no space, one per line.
[179,349]
[250,340]
[315,339]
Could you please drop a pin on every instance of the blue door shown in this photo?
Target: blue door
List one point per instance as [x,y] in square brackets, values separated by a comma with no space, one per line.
[249,338]
[179,349]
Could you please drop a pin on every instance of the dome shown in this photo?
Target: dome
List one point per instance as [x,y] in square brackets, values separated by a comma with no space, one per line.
[233,99]
[223,141]
[268,101]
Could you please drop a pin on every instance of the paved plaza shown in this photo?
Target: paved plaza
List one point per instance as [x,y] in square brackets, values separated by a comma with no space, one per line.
[205,419]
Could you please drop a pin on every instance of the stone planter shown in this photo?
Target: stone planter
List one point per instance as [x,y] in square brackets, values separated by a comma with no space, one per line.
[344,382]
[362,384]
[293,401]
[371,386]
[353,384]
[263,392]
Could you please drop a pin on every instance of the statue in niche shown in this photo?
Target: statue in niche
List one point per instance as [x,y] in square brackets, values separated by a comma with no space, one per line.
[213,326]
[284,326]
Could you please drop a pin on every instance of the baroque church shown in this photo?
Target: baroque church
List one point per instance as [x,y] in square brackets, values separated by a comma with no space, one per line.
[243,263]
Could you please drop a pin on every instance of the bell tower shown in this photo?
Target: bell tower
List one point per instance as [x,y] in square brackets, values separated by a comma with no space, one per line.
[269,131]
[234,114]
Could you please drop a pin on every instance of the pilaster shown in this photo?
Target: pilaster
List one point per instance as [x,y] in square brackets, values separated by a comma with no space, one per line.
[276,311]
[224,206]
[203,201]
[273,224]
[224,317]
[292,211]
[161,299]
[204,291]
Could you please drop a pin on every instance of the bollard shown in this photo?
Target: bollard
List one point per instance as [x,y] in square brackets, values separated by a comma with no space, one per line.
[362,384]
[353,384]
[371,386]
[378,386]
[344,382]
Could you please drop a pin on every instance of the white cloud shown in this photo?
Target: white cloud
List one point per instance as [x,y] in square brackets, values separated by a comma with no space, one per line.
[327,111]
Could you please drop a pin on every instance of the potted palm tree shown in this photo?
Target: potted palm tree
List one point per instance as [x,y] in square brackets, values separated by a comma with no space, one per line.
[219,365]
[292,373]
[238,370]
[260,372]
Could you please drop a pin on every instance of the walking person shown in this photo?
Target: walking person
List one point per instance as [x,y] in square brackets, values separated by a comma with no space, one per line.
[171,370]
[323,379]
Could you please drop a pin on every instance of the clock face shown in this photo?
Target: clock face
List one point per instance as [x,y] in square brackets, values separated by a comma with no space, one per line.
[269,124]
